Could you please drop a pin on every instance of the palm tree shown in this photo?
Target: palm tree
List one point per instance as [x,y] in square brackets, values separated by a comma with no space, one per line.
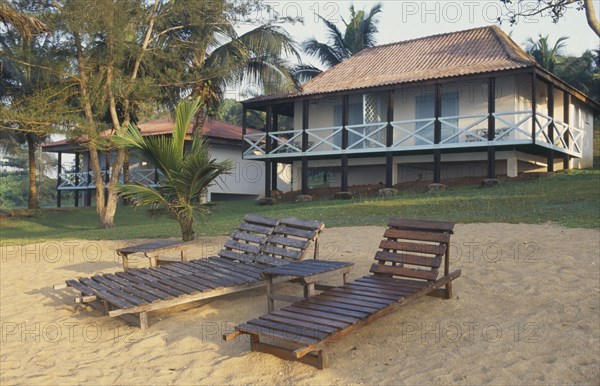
[26,26]
[187,173]
[546,55]
[212,56]
[359,34]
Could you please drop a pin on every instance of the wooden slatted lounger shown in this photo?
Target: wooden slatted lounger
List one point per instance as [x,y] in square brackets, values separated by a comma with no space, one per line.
[406,268]
[258,243]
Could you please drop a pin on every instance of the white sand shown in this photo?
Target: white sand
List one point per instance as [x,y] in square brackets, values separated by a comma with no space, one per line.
[525,311]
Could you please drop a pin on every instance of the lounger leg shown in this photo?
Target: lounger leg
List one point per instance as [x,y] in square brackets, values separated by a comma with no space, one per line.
[316,254]
[309,290]
[449,290]
[254,340]
[323,360]
[125,260]
[143,316]
[270,301]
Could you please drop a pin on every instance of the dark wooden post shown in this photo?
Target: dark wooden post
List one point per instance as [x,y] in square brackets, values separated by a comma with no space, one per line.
[345,113]
[491,134]
[88,198]
[533,105]
[274,173]
[304,171]
[76,191]
[550,155]
[58,180]
[269,122]
[437,134]
[566,120]
[244,125]
[389,142]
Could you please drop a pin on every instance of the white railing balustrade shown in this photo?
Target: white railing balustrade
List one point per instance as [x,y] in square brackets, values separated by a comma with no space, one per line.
[514,125]
[370,136]
[257,144]
[325,139]
[411,133]
[289,141]
[511,128]
[543,122]
[85,180]
[464,129]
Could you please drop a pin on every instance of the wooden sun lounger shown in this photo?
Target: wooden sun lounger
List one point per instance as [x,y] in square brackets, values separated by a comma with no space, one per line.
[258,244]
[406,269]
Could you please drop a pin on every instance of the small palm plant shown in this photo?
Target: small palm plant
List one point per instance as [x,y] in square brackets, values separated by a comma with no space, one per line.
[187,173]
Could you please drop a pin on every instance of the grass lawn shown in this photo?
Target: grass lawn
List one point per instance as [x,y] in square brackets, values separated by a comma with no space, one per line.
[570,199]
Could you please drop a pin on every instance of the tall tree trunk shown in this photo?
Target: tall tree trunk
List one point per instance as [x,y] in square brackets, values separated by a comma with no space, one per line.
[199,121]
[590,14]
[91,129]
[187,228]
[32,202]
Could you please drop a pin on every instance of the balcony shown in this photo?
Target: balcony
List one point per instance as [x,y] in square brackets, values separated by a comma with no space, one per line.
[85,180]
[462,131]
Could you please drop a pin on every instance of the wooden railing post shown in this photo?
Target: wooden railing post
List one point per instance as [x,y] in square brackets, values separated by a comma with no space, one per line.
[244,125]
[437,134]
[567,133]
[76,191]
[550,154]
[58,180]
[305,117]
[389,142]
[274,174]
[345,113]
[491,132]
[533,105]
[269,123]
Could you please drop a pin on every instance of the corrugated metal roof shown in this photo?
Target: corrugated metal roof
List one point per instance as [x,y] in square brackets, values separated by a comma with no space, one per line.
[474,51]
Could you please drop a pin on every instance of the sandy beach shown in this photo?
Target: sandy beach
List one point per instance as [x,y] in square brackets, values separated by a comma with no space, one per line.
[526,310]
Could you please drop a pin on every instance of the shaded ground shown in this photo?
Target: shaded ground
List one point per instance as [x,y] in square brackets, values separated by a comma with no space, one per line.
[368,191]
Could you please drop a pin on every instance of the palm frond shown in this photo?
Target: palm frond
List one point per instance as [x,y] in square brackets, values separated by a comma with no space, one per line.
[26,26]
[141,195]
[304,72]
[327,54]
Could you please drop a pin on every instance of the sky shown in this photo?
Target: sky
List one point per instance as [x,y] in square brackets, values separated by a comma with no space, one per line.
[407,19]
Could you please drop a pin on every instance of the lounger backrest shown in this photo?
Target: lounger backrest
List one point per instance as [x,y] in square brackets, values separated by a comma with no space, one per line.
[289,241]
[249,238]
[413,249]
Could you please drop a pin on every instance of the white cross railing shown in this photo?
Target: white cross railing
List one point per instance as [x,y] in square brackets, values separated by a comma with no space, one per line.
[257,144]
[367,136]
[406,135]
[85,180]
[460,131]
[470,133]
[286,141]
[325,139]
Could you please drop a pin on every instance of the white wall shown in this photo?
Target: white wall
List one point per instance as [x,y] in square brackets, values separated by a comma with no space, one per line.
[247,177]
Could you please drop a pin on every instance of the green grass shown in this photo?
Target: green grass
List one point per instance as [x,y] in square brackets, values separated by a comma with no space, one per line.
[569,199]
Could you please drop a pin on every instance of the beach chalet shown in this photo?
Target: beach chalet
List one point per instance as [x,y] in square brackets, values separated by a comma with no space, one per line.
[463,104]
[246,180]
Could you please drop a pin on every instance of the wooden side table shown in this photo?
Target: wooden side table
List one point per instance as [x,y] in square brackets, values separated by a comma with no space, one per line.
[152,250]
[307,273]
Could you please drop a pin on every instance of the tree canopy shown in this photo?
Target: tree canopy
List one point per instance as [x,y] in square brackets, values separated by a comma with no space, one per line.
[359,34]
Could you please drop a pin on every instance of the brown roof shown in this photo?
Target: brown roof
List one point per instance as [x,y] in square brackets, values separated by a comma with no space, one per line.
[474,51]
[212,129]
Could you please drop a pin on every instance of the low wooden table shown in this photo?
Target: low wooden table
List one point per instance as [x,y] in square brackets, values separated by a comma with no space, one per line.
[307,273]
[152,250]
